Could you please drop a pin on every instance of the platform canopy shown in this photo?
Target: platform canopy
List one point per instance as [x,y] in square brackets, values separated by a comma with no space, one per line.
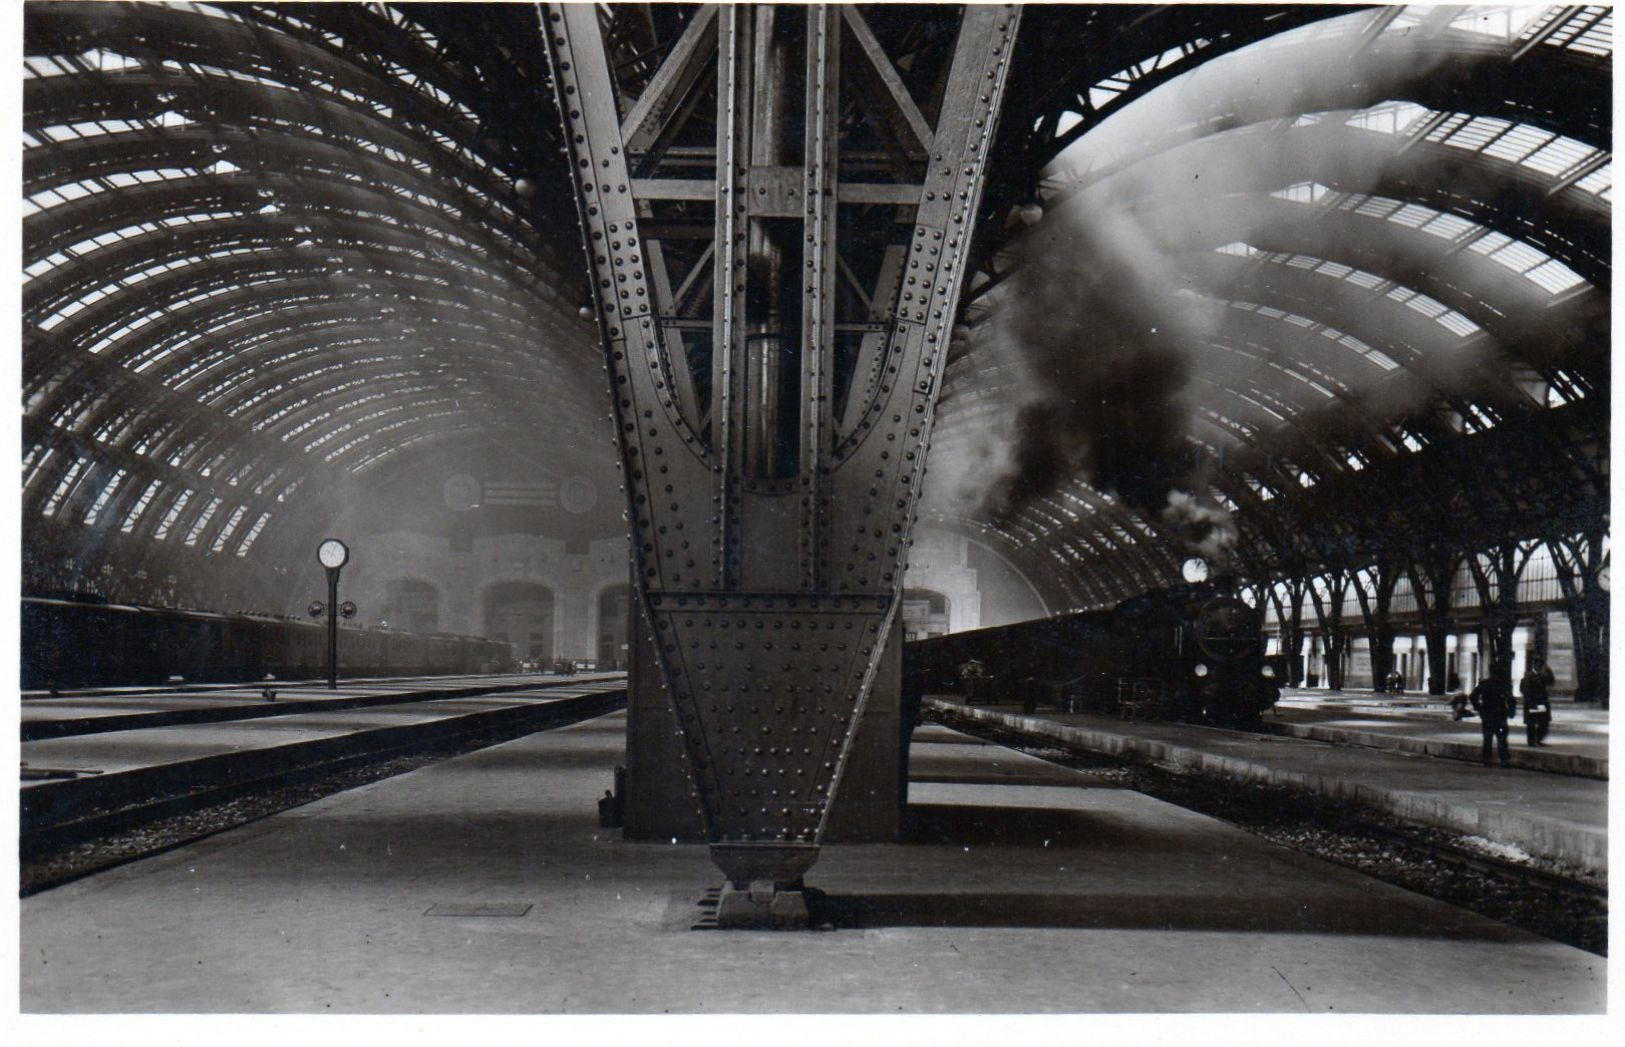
[1288,285]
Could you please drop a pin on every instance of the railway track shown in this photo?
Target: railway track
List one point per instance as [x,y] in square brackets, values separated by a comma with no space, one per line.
[109,822]
[1552,902]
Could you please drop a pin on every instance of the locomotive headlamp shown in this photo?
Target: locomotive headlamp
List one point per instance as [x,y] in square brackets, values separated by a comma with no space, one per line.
[347,609]
[1268,672]
[1194,570]
[1200,670]
[316,609]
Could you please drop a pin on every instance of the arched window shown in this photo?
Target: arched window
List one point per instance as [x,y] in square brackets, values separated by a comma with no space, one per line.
[412,605]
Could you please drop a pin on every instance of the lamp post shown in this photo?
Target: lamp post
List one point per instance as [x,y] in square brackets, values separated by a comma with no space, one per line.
[333,555]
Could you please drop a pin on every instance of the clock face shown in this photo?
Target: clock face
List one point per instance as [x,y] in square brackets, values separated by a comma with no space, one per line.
[1195,570]
[332,553]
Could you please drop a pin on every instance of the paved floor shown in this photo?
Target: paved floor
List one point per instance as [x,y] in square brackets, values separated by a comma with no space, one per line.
[1552,816]
[149,747]
[158,703]
[1577,730]
[1030,896]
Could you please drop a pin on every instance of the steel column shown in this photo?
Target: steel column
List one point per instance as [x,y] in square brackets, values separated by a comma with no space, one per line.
[770,579]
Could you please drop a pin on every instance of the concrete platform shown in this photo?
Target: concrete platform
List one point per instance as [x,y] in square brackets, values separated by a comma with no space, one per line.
[1577,745]
[482,884]
[65,776]
[1563,819]
[91,713]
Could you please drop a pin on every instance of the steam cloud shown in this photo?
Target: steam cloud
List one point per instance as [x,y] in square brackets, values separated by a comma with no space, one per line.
[1113,316]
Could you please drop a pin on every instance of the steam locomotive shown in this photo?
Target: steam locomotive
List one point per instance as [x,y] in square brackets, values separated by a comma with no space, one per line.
[1191,652]
[80,642]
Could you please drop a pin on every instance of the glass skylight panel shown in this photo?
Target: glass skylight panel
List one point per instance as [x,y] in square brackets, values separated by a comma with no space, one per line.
[1478,132]
[1484,419]
[1588,31]
[1598,182]
[225,532]
[1489,243]
[1376,207]
[203,69]
[1447,226]
[84,129]
[170,517]
[1554,276]
[28,463]
[1428,307]
[1447,127]
[48,198]
[45,265]
[1502,23]
[1457,323]
[1302,193]
[1412,215]
[1518,142]
[1380,359]
[101,499]
[1558,155]
[41,66]
[1406,296]
[1336,270]
[1388,117]
[69,478]
[1518,256]
[201,522]
[66,311]
[140,507]
[1262,406]
[203,9]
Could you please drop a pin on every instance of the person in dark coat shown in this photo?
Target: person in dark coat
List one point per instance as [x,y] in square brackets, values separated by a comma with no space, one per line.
[1492,700]
[1537,706]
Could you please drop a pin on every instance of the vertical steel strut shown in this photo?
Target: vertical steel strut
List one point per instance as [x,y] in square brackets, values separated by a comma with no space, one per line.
[775,290]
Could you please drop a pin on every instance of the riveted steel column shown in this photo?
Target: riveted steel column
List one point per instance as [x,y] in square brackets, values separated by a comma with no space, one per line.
[769,597]
[822,169]
[729,351]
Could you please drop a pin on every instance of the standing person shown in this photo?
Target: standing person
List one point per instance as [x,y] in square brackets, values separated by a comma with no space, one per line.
[1492,700]
[1537,707]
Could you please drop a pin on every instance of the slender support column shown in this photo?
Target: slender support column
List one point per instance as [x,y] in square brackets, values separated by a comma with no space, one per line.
[332,628]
